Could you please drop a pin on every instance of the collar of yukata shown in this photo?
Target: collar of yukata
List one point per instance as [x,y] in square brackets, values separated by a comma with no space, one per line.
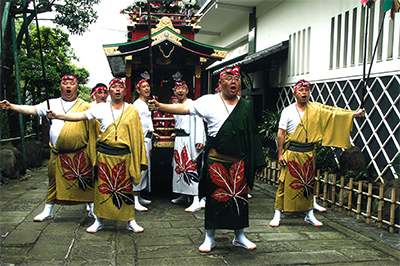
[233,71]
[182,83]
[98,89]
[301,83]
[113,81]
[140,82]
[69,78]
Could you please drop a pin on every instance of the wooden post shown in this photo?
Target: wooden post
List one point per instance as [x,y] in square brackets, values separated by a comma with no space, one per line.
[325,189]
[334,192]
[380,204]
[273,177]
[359,197]
[265,174]
[350,201]
[317,184]
[269,171]
[392,209]
[341,194]
[369,203]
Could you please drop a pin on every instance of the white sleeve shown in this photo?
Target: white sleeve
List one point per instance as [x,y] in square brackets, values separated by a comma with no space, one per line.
[93,112]
[41,108]
[199,107]
[284,120]
[200,130]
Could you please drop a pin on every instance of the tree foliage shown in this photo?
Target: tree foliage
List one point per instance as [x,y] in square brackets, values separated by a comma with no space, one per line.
[57,55]
[75,15]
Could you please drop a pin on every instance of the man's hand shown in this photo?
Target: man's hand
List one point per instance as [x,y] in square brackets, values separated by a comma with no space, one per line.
[156,135]
[51,114]
[153,104]
[282,161]
[5,105]
[360,113]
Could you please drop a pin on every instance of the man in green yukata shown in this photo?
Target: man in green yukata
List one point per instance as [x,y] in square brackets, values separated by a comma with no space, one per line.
[302,125]
[233,153]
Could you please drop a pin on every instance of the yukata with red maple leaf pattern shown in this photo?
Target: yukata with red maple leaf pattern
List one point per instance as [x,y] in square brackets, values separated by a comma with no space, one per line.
[73,147]
[233,152]
[118,171]
[185,178]
[329,124]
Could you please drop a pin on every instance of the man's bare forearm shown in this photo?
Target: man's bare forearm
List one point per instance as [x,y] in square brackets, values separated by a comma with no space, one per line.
[23,109]
[71,117]
[179,109]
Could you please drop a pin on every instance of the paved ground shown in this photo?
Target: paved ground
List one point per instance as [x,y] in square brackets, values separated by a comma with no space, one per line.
[172,237]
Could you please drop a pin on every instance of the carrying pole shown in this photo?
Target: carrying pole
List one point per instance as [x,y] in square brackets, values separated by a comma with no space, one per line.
[41,57]
[150,41]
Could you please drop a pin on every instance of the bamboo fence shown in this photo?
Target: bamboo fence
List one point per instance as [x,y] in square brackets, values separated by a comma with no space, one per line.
[362,199]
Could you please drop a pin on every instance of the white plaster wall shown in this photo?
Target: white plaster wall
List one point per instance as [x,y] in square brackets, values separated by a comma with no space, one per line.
[275,24]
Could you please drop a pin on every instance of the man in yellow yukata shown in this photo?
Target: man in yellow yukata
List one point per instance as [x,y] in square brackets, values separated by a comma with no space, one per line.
[121,156]
[73,146]
[302,125]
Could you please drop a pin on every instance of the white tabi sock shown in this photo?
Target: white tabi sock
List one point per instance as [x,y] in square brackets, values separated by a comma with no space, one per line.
[277,218]
[143,201]
[133,226]
[203,202]
[318,207]
[209,241]
[47,213]
[181,199]
[195,205]
[240,240]
[139,206]
[90,212]
[310,218]
[96,226]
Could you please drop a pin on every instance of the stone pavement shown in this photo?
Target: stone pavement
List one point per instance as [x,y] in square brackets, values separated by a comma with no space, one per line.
[172,237]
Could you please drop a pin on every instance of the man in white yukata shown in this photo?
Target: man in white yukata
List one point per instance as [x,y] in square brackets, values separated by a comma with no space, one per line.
[143,89]
[189,143]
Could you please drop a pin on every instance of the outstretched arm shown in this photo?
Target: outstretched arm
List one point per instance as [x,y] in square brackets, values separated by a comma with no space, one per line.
[67,117]
[179,109]
[281,143]
[21,109]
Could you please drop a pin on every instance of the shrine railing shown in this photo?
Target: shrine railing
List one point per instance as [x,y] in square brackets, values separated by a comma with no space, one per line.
[359,198]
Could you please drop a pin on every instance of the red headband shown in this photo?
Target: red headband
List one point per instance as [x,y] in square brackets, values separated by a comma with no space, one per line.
[140,82]
[113,81]
[300,84]
[69,77]
[97,90]
[234,71]
[177,84]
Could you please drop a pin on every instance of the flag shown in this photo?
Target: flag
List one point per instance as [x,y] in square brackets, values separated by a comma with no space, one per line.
[369,3]
[392,5]
[387,5]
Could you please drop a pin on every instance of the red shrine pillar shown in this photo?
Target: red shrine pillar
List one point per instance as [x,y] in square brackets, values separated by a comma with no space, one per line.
[128,82]
[197,82]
